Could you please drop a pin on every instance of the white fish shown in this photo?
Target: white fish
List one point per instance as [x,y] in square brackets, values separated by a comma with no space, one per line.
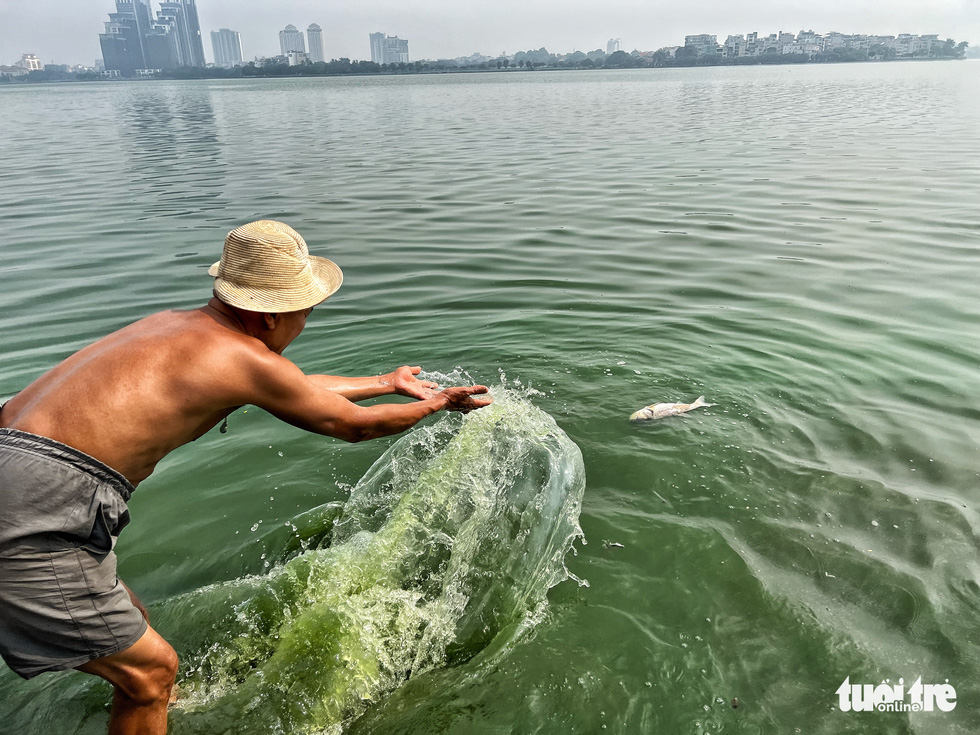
[663,410]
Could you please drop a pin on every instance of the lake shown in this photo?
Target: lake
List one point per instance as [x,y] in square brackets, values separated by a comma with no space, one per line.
[799,244]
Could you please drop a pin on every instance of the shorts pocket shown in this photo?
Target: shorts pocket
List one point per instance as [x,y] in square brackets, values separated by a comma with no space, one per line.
[109,517]
[100,541]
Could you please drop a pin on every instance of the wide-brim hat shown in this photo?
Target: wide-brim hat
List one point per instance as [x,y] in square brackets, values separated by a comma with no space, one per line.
[265,266]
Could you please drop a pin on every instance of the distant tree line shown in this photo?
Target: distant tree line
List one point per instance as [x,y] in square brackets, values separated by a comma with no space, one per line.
[688,56]
[50,75]
[522,61]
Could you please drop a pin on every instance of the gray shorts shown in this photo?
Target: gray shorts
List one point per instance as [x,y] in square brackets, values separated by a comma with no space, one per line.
[61,603]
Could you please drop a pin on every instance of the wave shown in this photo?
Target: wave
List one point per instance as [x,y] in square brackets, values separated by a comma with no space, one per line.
[446,546]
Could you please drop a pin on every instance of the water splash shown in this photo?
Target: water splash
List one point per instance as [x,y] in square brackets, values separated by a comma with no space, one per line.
[447,545]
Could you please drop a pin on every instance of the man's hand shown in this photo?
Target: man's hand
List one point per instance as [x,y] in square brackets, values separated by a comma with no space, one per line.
[461,399]
[458,399]
[405,383]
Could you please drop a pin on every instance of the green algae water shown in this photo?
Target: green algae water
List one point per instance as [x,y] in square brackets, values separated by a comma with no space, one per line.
[446,546]
[800,245]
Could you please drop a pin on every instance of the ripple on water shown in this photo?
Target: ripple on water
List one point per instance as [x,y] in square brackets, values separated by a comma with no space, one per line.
[808,268]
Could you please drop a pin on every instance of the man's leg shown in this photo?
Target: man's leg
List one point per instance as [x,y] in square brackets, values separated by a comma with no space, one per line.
[143,676]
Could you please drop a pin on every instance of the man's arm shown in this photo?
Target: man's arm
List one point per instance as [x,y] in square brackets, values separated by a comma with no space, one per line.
[282,389]
[401,381]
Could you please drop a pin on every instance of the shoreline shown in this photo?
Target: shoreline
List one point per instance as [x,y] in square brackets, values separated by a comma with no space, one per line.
[215,73]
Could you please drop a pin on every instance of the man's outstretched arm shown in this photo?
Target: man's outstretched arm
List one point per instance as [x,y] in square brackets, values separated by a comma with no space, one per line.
[281,388]
[401,381]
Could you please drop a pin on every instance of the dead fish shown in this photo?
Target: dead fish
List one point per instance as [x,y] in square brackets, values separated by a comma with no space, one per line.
[663,410]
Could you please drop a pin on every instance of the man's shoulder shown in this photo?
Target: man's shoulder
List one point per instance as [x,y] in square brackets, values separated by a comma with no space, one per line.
[197,342]
[190,339]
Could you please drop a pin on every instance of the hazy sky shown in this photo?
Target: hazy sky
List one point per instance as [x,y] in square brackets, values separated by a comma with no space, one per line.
[67,31]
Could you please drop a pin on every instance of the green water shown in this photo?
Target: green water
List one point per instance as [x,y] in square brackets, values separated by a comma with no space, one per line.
[800,245]
[446,548]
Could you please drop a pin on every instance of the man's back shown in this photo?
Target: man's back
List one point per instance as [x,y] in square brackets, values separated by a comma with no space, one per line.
[137,394]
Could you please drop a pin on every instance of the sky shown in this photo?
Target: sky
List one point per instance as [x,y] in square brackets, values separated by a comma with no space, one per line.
[67,31]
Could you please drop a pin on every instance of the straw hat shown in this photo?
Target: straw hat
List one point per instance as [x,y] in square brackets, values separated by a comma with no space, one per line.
[265,266]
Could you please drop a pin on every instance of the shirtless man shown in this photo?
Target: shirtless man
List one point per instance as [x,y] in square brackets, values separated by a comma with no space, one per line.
[76,442]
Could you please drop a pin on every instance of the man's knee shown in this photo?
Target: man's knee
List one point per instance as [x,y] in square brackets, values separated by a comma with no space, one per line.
[152,680]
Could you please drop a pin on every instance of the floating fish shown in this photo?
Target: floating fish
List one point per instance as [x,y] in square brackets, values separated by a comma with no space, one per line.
[663,410]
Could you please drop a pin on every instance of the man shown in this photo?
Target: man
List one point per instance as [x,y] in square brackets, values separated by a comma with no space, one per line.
[75,443]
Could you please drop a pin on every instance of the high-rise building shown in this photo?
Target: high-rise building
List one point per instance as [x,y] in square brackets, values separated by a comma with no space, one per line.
[133,40]
[291,39]
[314,38]
[195,40]
[161,46]
[612,45]
[388,49]
[396,50]
[227,47]
[377,47]
[122,42]
[180,16]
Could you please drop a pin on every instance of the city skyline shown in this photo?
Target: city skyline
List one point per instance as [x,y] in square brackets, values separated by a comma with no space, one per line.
[59,31]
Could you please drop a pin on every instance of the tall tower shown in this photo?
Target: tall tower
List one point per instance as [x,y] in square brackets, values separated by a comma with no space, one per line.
[378,48]
[291,39]
[172,15]
[123,40]
[227,47]
[612,46]
[194,39]
[314,37]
